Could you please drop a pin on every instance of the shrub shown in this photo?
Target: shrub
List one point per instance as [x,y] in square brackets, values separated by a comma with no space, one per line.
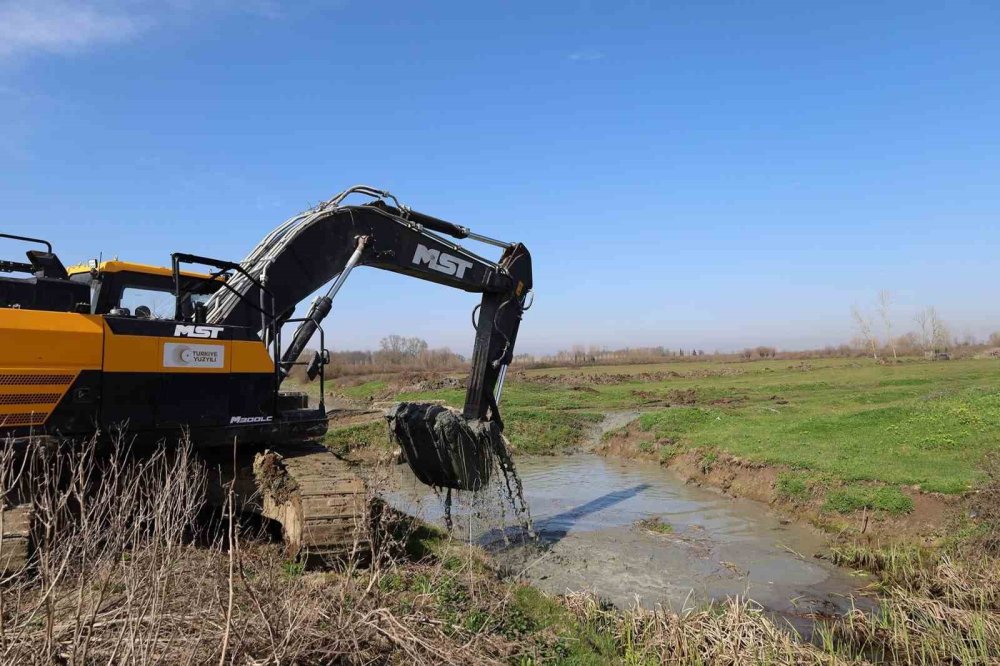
[793,486]
[855,498]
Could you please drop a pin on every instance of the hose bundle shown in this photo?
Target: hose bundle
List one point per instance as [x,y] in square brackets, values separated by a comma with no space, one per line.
[221,305]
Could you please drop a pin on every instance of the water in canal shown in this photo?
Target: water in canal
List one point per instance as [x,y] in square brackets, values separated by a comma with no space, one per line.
[585,509]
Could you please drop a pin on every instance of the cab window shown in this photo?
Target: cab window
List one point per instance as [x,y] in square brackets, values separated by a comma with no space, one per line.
[148,303]
[148,296]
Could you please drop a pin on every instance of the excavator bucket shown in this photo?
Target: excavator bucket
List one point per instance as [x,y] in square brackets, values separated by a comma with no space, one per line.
[442,447]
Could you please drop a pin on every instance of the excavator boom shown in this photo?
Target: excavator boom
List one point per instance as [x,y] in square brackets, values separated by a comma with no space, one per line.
[327,242]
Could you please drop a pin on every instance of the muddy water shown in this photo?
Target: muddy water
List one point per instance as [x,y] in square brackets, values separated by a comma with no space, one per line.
[585,510]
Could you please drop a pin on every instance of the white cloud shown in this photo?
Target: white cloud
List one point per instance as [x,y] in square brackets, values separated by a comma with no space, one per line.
[29,27]
[55,26]
[587,55]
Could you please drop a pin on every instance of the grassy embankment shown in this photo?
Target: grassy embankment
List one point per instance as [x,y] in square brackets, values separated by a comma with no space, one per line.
[852,422]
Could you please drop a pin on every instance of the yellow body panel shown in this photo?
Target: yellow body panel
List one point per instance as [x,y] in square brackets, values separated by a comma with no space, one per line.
[137,353]
[41,354]
[37,339]
[116,266]
[251,356]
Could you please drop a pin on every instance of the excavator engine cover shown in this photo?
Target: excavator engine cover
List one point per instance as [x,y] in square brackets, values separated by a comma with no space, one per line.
[442,447]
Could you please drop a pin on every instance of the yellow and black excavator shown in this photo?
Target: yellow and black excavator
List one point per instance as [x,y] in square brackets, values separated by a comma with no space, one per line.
[158,353]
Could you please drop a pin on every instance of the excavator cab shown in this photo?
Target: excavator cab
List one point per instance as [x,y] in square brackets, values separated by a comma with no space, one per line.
[125,289]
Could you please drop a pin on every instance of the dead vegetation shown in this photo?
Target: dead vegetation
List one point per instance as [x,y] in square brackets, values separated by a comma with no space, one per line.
[119,575]
[935,607]
[734,633]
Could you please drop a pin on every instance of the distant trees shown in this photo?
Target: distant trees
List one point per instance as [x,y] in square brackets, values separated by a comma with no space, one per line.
[761,351]
[932,334]
[397,348]
[909,343]
[932,337]
[595,355]
[395,353]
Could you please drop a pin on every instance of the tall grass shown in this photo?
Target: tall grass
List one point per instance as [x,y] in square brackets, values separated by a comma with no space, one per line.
[733,633]
[935,606]
[125,572]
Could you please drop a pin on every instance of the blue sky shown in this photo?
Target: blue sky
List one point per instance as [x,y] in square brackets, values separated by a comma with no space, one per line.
[696,174]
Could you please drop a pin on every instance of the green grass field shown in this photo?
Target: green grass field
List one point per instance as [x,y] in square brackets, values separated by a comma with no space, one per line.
[915,422]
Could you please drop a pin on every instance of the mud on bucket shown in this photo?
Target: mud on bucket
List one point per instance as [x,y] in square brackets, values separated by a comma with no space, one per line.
[444,449]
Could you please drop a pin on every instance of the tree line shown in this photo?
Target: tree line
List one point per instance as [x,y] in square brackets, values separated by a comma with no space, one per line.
[931,335]
[395,352]
[876,336]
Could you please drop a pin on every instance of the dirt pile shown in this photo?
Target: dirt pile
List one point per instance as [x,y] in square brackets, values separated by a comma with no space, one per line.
[616,378]
[414,383]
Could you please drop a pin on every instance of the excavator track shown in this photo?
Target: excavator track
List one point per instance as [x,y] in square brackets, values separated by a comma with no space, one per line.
[319,501]
[15,538]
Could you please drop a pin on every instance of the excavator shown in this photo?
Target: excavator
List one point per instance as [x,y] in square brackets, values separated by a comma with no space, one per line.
[196,351]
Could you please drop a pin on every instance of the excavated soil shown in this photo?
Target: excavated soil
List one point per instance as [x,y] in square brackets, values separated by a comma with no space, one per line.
[273,478]
[612,378]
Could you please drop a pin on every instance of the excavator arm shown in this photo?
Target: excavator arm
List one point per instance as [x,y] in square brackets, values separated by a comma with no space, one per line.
[324,244]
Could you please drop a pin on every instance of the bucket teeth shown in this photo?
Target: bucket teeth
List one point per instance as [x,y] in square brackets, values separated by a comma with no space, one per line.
[443,448]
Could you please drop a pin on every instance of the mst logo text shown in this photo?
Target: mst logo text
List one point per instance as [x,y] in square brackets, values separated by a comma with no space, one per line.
[203,332]
[441,261]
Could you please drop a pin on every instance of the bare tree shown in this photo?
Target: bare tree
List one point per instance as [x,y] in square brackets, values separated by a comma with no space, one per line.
[884,302]
[940,335]
[864,325]
[923,320]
